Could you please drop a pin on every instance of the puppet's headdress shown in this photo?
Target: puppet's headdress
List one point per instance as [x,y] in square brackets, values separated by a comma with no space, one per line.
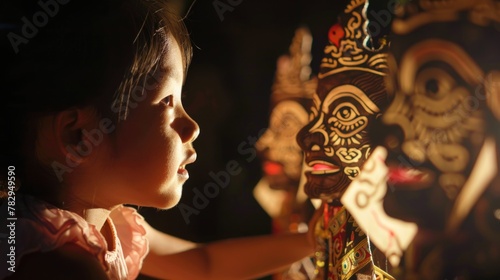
[347,49]
[293,72]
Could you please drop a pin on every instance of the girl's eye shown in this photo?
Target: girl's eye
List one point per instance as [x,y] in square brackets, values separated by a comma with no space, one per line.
[169,100]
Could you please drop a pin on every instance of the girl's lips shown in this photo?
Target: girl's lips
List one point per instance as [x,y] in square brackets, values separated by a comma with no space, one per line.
[320,167]
[272,168]
[183,172]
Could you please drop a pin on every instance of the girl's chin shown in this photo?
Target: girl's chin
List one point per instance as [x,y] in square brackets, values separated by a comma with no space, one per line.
[165,200]
[167,203]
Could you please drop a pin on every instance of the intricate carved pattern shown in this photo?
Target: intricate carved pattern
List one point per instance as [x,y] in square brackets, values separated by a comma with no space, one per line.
[344,251]
[346,50]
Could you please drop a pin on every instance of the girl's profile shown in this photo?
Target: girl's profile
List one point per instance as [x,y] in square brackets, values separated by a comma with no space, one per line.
[91,100]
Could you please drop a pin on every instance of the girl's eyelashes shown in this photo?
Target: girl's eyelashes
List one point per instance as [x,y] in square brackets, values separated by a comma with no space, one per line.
[169,100]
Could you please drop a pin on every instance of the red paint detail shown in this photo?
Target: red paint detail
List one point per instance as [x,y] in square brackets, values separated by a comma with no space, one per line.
[400,175]
[335,34]
[320,166]
[272,168]
[326,216]
[391,233]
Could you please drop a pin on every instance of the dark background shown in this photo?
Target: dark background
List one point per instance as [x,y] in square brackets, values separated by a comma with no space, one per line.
[227,92]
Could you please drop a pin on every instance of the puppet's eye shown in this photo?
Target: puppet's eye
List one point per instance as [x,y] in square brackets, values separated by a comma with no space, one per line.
[346,120]
[346,113]
[434,83]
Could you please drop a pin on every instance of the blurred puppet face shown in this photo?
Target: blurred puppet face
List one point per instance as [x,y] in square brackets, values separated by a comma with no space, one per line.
[282,157]
[349,97]
[442,76]
[292,90]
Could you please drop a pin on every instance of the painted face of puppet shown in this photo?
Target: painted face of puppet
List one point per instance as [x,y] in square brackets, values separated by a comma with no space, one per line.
[437,121]
[336,141]
[292,91]
[349,97]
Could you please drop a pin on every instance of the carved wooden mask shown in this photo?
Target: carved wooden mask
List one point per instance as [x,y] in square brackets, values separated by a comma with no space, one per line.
[349,97]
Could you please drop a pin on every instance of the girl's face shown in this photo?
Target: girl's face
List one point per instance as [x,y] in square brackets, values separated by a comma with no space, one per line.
[145,161]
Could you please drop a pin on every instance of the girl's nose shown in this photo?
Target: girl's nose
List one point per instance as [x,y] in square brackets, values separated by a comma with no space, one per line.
[193,131]
[187,128]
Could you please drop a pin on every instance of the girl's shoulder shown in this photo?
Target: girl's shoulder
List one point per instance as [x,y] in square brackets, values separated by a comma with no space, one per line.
[43,231]
[45,236]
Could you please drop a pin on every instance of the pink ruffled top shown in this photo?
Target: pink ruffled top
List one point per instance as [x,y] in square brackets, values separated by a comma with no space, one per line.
[42,227]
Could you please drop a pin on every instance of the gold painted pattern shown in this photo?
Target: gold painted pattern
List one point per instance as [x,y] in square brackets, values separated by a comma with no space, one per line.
[347,51]
[338,222]
[380,274]
[354,260]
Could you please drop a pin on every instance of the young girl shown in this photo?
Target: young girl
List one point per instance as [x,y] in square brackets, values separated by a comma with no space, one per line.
[92,111]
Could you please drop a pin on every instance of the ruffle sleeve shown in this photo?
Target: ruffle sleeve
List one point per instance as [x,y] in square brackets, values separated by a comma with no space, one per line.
[130,230]
[41,227]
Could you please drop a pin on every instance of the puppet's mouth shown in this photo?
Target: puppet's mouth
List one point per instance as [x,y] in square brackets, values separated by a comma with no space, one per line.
[320,167]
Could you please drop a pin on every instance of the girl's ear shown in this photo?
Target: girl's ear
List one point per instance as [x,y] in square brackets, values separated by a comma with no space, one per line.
[71,129]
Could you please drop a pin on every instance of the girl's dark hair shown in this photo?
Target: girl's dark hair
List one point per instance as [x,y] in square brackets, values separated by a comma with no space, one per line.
[59,54]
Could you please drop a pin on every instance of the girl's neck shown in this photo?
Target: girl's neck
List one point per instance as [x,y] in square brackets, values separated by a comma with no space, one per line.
[98,218]
[95,216]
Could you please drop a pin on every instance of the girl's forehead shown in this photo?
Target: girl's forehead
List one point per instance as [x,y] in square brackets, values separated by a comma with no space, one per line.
[172,63]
